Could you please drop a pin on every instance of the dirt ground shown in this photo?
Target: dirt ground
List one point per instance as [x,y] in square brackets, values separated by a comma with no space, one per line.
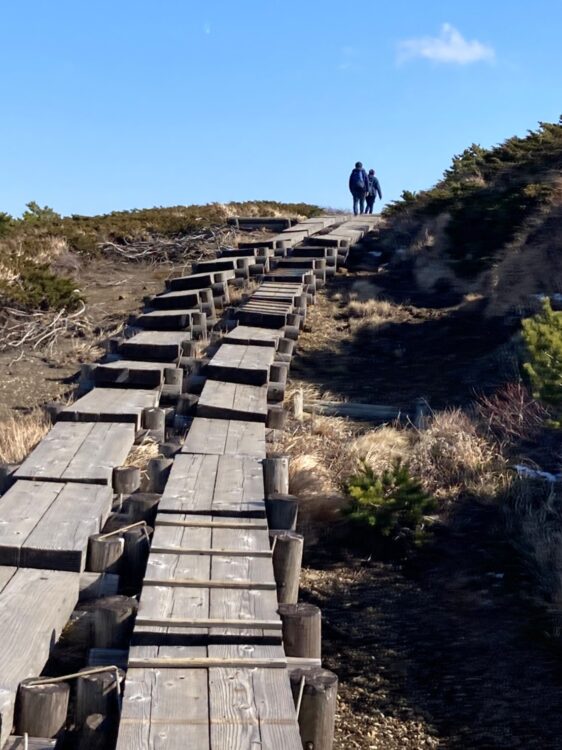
[443,651]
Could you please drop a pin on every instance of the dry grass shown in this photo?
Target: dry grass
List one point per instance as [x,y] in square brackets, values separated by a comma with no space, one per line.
[20,434]
[141,454]
[533,521]
[382,447]
[450,455]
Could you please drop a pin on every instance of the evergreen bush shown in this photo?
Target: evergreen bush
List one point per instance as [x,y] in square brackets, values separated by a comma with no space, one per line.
[390,504]
[542,334]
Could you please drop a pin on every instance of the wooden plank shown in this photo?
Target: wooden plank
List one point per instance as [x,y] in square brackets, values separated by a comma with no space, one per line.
[134,373]
[191,485]
[34,607]
[79,452]
[159,346]
[165,708]
[48,524]
[29,743]
[239,486]
[166,320]
[207,662]
[217,622]
[192,583]
[225,437]
[240,363]
[209,552]
[254,336]
[110,405]
[233,401]
[180,300]
[199,280]
[170,519]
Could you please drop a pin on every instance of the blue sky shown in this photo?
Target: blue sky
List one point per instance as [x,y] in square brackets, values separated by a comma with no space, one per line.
[116,105]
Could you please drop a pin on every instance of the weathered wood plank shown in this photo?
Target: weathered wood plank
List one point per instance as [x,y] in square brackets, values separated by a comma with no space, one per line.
[110,405]
[191,485]
[48,524]
[79,452]
[166,320]
[34,607]
[225,437]
[240,363]
[233,401]
[159,346]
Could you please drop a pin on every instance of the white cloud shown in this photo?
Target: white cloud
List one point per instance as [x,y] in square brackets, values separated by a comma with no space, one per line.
[449,47]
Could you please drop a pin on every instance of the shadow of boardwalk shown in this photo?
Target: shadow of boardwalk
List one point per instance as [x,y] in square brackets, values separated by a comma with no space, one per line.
[447,645]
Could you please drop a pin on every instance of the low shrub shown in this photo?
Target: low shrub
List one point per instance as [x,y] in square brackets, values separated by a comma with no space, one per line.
[36,287]
[391,504]
[542,334]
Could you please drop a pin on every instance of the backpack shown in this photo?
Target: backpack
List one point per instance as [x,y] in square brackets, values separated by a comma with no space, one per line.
[357,179]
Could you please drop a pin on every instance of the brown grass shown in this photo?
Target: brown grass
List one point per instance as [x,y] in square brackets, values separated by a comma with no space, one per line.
[141,454]
[20,434]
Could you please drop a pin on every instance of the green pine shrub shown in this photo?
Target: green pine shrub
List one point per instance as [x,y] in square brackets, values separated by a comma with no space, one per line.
[37,288]
[391,504]
[542,334]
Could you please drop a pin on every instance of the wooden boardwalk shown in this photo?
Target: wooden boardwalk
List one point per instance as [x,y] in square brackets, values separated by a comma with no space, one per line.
[206,666]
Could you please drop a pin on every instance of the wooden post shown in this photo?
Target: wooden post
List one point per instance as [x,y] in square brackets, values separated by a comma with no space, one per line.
[173,376]
[7,476]
[282,511]
[302,630]
[97,693]
[53,409]
[96,733]
[154,420]
[315,692]
[105,555]
[137,548]
[113,622]
[96,585]
[276,416]
[126,479]
[276,475]
[142,507]
[421,410]
[291,332]
[187,404]
[41,709]
[287,561]
[285,346]
[158,473]
[298,405]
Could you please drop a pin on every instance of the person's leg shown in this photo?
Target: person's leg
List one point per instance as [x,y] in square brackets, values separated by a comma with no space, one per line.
[362,203]
[370,202]
[355,203]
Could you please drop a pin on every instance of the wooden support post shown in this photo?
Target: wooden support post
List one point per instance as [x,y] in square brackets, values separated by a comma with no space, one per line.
[98,693]
[287,561]
[53,409]
[298,405]
[97,585]
[291,332]
[113,622]
[315,693]
[141,507]
[276,417]
[174,376]
[302,630]
[187,404]
[158,473]
[276,475]
[41,709]
[169,449]
[286,346]
[137,548]
[7,476]
[126,479]
[282,511]
[96,733]
[421,410]
[105,555]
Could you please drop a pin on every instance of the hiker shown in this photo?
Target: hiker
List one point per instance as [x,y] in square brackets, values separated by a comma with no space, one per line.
[358,184]
[373,187]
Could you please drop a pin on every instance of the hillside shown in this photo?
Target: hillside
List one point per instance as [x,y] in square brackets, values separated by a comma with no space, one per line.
[490,226]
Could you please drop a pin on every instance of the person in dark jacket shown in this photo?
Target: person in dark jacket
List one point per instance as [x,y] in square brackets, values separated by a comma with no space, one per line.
[373,188]
[358,185]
